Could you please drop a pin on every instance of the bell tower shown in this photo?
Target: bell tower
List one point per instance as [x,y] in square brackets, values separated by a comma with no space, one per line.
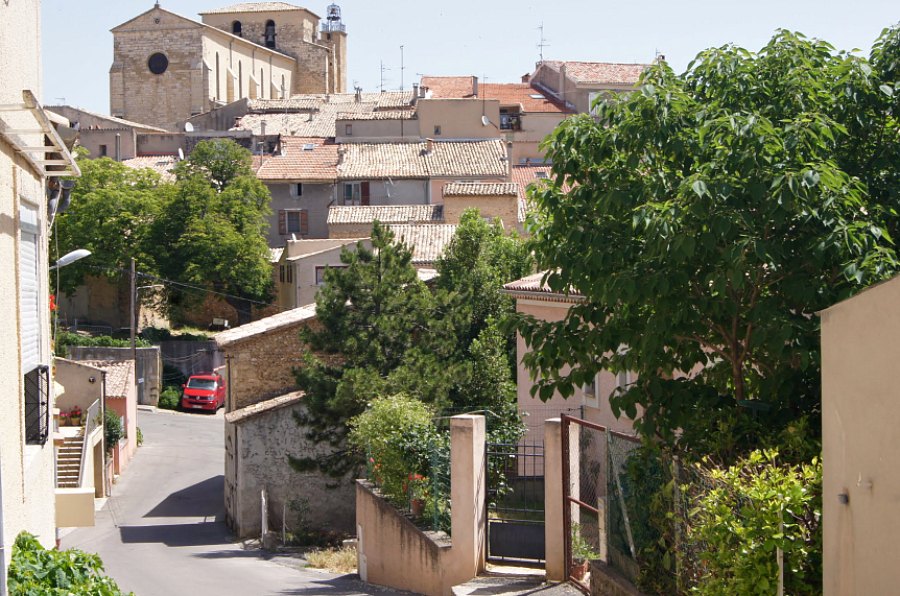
[333,35]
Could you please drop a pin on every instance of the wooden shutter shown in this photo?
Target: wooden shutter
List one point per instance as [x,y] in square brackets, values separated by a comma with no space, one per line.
[364,193]
[282,222]
[304,222]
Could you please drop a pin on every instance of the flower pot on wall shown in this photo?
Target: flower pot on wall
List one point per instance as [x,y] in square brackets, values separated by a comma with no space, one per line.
[417,506]
[579,570]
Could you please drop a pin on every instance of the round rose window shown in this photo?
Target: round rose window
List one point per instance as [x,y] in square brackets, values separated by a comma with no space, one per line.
[158,63]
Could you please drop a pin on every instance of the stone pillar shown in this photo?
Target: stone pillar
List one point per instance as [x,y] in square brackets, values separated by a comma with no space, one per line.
[467,494]
[554,540]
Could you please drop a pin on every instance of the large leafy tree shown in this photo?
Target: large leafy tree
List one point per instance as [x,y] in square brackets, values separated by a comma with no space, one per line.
[211,233]
[705,220]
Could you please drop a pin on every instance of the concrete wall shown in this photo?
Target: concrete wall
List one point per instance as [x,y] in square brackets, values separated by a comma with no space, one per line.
[149,367]
[861,442]
[191,357]
[82,384]
[392,552]
[75,507]
[315,200]
[257,449]
[458,118]
[26,471]
[160,144]
[376,130]
[391,192]
[95,140]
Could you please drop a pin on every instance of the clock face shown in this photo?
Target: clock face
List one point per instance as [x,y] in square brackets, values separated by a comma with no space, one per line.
[158,63]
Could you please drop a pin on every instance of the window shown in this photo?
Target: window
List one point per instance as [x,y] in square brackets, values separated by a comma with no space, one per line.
[236,28]
[37,405]
[103,151]
[356,193]
[348,130]
[218,86]
[37,375]
[320,272]
[297,190]
[158,63]
[293,221]
[437,130]
[270,34]
[286,274]
[283,88]
[590,393]
[240,80]
[262,84]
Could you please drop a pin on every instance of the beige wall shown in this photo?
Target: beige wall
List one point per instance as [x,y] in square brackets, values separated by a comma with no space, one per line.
[75,507]
[377,130]
[75,380]
[861,442]
[458,118]
[504,207]
[26,471]
[245,61]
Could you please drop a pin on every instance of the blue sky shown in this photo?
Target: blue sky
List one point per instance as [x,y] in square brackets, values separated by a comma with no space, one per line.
[496,40]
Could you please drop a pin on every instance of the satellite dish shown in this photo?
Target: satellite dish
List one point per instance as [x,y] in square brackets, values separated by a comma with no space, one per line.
[188,127]
[485,120]
[180,154]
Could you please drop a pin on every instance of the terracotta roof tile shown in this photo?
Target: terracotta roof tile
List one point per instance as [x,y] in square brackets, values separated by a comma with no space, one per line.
[517,94]
[412,160]
[449,87]
[118,375]
[298,121]
[534,284]
[379,115]
[481,189]
[255,7]
[600,73]
[162,165]
[393,214]
[427,241]
[288,318]
[270,405]
[303,159]
[524,176]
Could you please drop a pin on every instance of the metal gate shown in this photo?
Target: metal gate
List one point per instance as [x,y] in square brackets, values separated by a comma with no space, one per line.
[515,502]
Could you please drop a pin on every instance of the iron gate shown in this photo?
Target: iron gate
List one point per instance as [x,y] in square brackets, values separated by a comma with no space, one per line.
[515,501]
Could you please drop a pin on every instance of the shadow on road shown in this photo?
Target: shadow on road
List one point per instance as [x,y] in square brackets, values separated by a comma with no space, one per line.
[204,499]
[194,534]
[345,585]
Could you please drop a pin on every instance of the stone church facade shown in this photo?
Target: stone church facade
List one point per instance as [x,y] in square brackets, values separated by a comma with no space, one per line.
[167,68]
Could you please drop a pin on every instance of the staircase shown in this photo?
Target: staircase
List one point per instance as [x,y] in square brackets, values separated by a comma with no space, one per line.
[68,463]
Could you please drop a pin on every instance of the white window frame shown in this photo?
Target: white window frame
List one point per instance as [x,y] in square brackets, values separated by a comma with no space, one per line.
[355,198]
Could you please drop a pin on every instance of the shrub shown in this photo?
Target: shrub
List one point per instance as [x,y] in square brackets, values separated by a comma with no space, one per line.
[64,339]
[750,510]
[170,398]
[36,571]
[113,429]
[396,433]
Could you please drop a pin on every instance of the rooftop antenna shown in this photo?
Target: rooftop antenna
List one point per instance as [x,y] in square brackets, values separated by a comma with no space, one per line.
[383,68]
[402,67]
[543,42]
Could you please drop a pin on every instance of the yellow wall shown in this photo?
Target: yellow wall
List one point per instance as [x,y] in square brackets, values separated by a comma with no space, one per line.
[504,207]
[861,442]
[458,118]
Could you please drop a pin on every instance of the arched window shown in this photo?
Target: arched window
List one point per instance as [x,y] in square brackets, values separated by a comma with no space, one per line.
[236,28]
[270,34]
[262,84]
[218,79]
[240,80]
[283,88]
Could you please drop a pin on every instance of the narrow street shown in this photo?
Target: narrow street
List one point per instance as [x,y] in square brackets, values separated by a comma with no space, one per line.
[163,533]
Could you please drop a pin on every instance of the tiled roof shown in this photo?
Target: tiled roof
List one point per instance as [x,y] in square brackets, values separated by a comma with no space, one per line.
[600,73]
[292,104]
[412,160]
[162,165]
[385,214]
[121,122]
[481,189]
[254,7]
[448,87]
[275,254]
[534,284]
[118,375]
[303,159]
[519,94]
[284,319]
[427,240]
[270,405]
[379,115]
[523,176]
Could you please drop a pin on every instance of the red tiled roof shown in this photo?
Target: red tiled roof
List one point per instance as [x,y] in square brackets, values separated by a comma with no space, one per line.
[426,240]
[118,375]
[518,94]
[523,176]
[310,159]
[481,189]
[374,161]
[367,214]
[449,87]
[599,73]
[534,284]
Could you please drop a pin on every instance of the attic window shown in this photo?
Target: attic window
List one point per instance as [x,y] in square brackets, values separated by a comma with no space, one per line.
[536,96]
[309,146]
[540,174]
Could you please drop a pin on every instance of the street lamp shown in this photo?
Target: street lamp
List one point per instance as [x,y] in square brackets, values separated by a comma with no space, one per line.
[69,258]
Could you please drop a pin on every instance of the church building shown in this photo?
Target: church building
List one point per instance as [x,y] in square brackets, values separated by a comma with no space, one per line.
[167,68]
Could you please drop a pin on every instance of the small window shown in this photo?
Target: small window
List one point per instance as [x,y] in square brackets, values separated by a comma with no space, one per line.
[590,393]
[37,405]
[348,130]
[281,273]
[103,151]
[437,130]
[270,34]
[297,190]
[236,28]
[542,175]
[158,63]
[352,193]
[293,222]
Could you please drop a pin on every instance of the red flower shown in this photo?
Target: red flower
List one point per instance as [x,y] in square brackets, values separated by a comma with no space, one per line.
[52,302]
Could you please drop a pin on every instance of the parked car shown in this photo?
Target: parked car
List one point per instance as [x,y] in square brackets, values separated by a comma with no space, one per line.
[204,391]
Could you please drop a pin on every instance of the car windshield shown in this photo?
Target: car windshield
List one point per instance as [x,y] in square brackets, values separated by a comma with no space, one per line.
[207,384]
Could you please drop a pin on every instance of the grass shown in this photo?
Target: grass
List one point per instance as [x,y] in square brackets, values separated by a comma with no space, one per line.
[336,560]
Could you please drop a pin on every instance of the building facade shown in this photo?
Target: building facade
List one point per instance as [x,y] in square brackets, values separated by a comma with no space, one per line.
[167,68]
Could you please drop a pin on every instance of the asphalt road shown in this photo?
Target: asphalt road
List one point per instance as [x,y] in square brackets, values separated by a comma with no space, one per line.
[162,532]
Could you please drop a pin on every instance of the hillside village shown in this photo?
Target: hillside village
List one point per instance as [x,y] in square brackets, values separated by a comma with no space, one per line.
[603,329]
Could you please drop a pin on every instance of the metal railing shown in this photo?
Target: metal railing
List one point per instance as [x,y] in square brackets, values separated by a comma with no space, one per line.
[91,422]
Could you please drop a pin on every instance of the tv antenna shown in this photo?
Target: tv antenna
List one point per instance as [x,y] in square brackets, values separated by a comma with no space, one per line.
[543,42]
[383,69]
[402,67]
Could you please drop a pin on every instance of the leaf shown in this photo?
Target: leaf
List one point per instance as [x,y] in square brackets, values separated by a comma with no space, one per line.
[699,188]
[887,90]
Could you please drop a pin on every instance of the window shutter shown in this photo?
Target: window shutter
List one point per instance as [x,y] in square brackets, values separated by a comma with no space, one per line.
[282,222]
[29,291]
[304,222]
[364,190]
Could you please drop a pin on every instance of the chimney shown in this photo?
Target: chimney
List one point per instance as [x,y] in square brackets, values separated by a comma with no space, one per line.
[429,145]
[415,91]
[526,78]
[358,96]
[341,152]
[474,86]
[262,128]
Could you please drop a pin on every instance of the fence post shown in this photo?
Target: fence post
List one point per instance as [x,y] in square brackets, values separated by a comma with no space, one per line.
[263,516]
[468,515]
[554,525]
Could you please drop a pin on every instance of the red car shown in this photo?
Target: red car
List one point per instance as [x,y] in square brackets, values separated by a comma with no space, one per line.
[204,391]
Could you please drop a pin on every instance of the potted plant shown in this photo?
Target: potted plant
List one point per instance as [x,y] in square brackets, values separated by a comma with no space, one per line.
[417,489]
[75,416]
[582,554]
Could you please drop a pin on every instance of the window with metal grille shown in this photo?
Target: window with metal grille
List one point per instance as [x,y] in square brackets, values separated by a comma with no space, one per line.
[37,405]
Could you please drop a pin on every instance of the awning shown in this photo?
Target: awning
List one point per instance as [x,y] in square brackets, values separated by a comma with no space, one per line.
[50,159]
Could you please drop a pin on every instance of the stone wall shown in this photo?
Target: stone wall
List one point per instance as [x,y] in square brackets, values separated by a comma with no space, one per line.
[260,446]
[504,207]
[149,367]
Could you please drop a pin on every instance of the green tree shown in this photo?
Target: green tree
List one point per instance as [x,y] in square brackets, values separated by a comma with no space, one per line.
[112,209]
[211,232]
[705,220]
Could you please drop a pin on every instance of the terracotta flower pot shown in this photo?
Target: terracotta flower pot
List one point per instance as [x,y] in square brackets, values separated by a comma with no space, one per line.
[417,506]
[579,570]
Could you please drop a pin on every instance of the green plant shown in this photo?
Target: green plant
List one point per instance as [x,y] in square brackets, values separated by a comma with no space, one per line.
[752,509]
[169,398]
[395,433]
[140,436]
[113,429]
[64,339]
[581,549]
[36,571]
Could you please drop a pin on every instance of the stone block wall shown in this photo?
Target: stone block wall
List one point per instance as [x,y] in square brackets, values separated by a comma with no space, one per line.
[504,207]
